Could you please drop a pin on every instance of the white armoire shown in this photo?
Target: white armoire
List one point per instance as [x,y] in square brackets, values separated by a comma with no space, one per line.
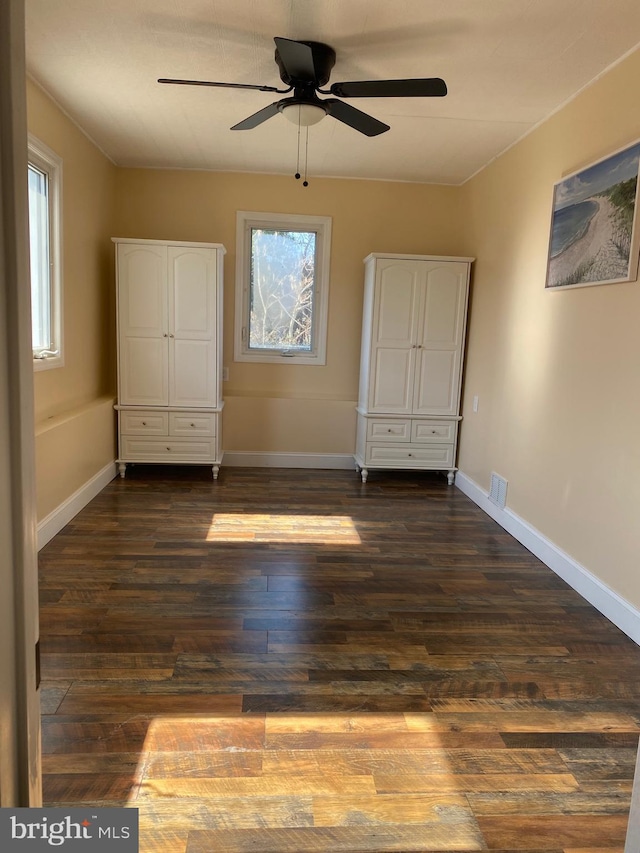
[169,318]
[413,331]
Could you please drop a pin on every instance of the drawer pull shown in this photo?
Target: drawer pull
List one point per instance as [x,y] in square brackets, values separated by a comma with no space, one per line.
[192,425]
[168,448]
[144,423]
[434,432]
[409,454]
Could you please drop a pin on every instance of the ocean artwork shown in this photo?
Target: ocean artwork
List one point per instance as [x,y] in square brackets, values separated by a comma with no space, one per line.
[592,228]
[570,224]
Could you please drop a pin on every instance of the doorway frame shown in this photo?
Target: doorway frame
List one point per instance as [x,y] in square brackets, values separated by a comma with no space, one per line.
[20,747]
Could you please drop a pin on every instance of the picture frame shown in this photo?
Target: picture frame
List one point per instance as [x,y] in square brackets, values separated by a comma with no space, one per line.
[593,237]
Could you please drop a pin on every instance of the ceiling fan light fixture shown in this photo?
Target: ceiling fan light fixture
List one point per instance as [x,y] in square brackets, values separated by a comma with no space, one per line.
[304,115]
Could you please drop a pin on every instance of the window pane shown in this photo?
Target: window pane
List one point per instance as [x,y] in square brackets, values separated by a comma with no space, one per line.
[282,289]
[39,257]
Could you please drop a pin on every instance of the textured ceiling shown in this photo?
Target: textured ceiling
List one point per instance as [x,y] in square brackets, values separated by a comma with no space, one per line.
[508,65]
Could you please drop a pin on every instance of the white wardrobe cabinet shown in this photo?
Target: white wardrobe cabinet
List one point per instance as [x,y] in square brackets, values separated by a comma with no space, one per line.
[169,315]
[413,330]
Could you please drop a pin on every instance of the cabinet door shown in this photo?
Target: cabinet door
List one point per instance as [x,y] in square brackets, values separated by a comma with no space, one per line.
[395,324]
[143,325]
[192,324]
[443,297]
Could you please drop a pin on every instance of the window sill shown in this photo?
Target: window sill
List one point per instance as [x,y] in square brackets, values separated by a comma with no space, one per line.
[262,358]
[47,363]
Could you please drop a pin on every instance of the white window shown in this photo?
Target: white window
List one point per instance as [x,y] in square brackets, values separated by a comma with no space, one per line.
[45,206]
[282,287]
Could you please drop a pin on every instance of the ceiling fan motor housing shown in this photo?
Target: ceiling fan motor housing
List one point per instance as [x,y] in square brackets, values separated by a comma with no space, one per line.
[324,58]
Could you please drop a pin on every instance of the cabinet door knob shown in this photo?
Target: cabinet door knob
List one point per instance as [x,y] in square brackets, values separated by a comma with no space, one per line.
[165,335]
[170,336]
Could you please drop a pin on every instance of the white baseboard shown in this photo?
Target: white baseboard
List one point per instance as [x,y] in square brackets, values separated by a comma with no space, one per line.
[242,459]
[597,593]
[61,515]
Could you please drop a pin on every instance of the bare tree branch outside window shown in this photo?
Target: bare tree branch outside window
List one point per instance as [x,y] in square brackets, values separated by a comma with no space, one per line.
[282,289]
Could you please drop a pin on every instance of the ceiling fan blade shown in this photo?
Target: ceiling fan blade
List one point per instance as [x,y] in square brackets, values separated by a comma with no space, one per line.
[223,85]
[297,59]
[257,118]
[356,119]
[429,87]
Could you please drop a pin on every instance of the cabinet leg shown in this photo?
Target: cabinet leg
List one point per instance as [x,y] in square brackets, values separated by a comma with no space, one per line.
[215,469]
[122,467]
[451,475]
[364,474]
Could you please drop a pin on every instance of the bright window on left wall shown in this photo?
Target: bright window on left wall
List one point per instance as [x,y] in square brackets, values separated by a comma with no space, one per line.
[45,241]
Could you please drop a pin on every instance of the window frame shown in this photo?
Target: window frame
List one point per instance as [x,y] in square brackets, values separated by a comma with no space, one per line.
[321,225]
[47,161]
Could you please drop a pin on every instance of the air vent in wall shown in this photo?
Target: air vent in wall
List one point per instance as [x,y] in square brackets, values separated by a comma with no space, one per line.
[498,490]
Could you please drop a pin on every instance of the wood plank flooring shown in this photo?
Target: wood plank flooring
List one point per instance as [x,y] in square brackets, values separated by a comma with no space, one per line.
[291,661]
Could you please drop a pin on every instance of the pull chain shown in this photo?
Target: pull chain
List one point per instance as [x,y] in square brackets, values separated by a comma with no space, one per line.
[305,183]
[297,175]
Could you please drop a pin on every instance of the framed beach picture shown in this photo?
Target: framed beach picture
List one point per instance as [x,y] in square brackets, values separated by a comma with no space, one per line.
[593,238]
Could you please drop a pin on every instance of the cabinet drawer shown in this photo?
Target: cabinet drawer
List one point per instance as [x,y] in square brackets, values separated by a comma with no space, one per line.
[433,431]
[388,430]
[191,424]
[144,423]
[410,455]
[165,450]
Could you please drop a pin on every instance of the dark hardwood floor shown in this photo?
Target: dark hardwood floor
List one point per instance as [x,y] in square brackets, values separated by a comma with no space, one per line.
[291,661]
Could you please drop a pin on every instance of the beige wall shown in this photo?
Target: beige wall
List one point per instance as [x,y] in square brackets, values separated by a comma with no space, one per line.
[556,373]
[280,408]
[63,394]
[71,449]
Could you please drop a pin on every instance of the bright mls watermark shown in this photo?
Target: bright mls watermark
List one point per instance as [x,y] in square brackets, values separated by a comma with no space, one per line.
[78,830]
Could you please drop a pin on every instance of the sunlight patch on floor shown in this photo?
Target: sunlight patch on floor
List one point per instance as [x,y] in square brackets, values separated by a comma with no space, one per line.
[272,527]
[289,773]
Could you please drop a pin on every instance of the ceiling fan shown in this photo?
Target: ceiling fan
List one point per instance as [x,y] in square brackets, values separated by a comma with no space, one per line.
[305,66]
